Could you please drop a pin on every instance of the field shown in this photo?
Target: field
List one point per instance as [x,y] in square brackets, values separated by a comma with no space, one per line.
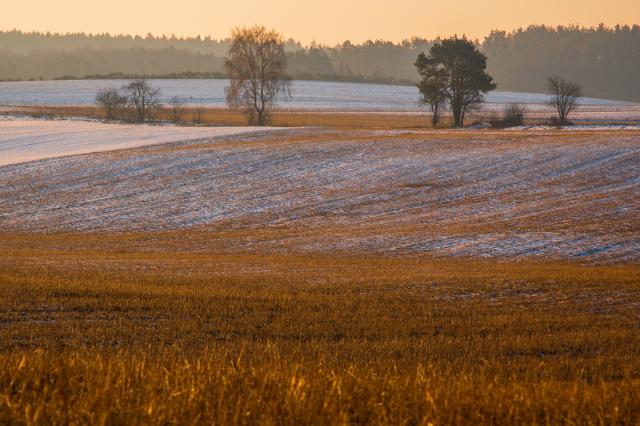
[22,140]
[325,276]
[554,194]
[348,119]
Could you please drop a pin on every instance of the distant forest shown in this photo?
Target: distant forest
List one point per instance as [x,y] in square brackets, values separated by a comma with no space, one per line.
[605,61]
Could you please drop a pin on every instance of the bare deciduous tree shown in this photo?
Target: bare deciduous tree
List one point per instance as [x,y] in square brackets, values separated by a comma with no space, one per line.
[256,64]
[143,98]
[564,97]
[112,102]
[177,109]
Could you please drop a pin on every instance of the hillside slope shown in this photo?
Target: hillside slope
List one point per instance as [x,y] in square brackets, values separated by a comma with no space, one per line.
[491,194]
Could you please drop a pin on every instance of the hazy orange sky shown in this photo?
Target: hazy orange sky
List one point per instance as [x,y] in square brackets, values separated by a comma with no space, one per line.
[327,21]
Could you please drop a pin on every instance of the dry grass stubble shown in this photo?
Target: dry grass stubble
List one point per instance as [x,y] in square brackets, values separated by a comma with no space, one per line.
[137,338]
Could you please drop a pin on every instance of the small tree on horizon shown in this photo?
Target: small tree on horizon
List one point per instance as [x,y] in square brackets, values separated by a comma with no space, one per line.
[256,64]
[143,98]
[461,67]
[564,97]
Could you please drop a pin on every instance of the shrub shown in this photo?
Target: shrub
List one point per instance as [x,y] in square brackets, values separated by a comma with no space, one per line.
[112,102]
[197,115]
[512,116]
[557,122]
[177,109]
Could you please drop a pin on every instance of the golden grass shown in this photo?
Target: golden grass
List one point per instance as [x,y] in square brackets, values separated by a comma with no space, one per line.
[107,336]
[283,118]
[336,119]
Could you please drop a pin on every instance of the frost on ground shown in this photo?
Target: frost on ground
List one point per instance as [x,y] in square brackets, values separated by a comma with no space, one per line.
[548,193]
[28,140]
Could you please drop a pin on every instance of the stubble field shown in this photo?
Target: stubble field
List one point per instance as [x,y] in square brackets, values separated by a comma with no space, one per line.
[325,277]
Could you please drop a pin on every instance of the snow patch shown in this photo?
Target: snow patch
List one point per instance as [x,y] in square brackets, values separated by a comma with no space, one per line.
[23,140]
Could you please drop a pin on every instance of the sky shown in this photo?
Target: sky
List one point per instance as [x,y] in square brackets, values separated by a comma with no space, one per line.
[325,21]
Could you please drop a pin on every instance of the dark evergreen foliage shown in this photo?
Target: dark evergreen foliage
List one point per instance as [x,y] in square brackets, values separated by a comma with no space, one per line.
[457,69]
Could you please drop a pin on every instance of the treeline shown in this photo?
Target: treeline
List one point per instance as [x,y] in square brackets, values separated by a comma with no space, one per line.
[27,42]
[378,61]
[52,64]
[25,56]
[605,61]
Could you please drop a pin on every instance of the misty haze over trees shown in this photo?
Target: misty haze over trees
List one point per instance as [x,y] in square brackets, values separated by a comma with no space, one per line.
[604,61]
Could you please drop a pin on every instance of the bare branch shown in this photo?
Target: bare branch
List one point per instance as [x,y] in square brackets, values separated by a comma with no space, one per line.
[112,102]
[564,97]
[256,64]
[143,98]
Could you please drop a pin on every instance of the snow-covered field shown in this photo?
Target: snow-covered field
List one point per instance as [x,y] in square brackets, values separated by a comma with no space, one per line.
[313,95]
[516,194]
[28,140]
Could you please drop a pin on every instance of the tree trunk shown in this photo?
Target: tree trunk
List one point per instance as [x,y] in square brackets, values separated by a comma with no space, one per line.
[457,116]
[435,117]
